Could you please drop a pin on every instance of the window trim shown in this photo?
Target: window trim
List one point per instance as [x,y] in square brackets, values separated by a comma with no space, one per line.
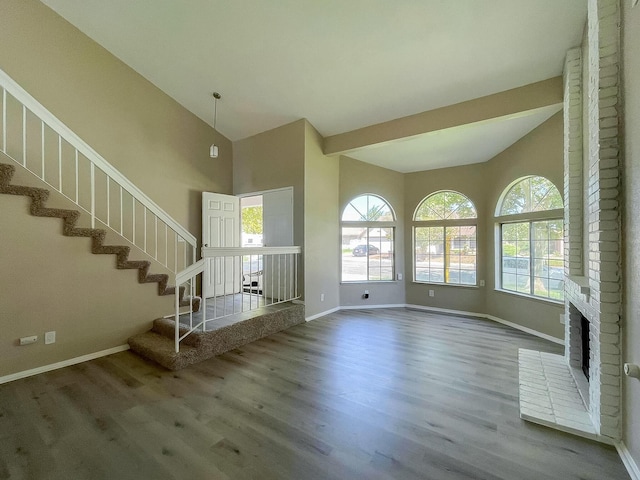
[448,222]
[530,218]
[368,224]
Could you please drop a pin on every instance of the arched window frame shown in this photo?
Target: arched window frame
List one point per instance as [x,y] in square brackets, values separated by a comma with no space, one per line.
[374,267]
[525,269]
[434,240]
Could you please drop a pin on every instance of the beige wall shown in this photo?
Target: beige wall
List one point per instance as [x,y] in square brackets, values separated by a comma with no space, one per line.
[88,303]
[358,178]
[321,229]
[270,160]
[470,180]
[160,146]
[55,283]
[539,153]
[631,222]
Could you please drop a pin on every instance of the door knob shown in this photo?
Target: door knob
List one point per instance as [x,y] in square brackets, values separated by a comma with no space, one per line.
[206,245]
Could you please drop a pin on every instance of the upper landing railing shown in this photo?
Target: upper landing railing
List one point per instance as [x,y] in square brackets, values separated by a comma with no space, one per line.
[236,280]
[34,138]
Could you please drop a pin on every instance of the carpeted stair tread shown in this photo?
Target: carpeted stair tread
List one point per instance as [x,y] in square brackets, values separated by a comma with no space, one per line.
[166,327]
[161,350]
[220,337]
[70,217]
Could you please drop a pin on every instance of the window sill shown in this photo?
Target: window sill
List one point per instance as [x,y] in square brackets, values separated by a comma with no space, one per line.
[531,297]
[457,285]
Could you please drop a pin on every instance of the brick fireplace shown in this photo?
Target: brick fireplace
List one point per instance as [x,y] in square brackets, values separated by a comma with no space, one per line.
[553,389]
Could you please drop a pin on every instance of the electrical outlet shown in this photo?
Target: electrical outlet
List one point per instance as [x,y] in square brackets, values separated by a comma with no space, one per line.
[399,276]
[322,297]
[432,293]
[482,283]
[28,340]
[49,338]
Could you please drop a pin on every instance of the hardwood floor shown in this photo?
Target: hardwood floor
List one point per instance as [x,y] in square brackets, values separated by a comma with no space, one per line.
[371,394]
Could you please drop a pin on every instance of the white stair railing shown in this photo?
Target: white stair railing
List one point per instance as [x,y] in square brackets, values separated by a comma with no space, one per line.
[236,280]
[35,139]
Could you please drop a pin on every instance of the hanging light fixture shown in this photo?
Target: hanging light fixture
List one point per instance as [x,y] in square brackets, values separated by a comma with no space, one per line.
[213,149]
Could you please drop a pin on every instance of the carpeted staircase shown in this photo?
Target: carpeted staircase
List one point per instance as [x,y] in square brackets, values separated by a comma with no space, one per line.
[39,198]
[158,343]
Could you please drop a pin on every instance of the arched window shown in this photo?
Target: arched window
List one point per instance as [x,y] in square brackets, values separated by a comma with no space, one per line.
[444,238]
[531,241]
[368,236]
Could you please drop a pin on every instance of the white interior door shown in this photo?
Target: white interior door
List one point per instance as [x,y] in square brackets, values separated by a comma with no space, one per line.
[221,228]
[277,207]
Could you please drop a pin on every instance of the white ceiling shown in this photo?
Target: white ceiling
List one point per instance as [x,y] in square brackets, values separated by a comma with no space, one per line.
[342,64]
[462,145]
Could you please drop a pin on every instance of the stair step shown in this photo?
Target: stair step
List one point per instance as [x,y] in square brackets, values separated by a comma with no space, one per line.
[153,345]
[221,336]
[167,328]
[161,350]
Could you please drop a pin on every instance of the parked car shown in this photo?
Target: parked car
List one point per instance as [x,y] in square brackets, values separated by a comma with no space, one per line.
[553,278]
[363,250]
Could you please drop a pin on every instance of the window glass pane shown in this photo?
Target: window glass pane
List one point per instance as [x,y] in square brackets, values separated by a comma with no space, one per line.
[378,210]
[445,205]
[380,253]
[531,194]
[367,208]
[354,254]
[461,255]
[367,254]
[429,254]
[543,257]
[445,255]
[351,214]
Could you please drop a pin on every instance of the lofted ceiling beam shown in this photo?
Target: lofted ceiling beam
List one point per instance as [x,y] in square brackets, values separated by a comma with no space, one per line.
[521,99]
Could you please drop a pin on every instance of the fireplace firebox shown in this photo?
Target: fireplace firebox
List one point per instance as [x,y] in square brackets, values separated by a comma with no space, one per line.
[584,333]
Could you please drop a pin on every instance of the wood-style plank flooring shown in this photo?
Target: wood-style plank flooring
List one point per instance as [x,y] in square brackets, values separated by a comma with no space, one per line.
[371,394]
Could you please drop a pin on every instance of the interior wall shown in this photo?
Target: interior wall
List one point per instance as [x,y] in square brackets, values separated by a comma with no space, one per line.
[538,153]
[155,142]
[160,146]
[631,224]
[359,178]
[82,297]
[321,229]
[270,160]
[471,181]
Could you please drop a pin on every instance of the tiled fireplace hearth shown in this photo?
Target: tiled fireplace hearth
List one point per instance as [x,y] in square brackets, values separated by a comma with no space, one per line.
[554,390]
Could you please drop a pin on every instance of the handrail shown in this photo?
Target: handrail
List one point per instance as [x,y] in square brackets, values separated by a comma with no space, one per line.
[190,271]
[212,252]
[274,280]
[9,86]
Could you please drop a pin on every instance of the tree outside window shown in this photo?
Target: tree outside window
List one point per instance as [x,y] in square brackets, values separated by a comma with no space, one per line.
[368,236]
[445,242]
[532,239]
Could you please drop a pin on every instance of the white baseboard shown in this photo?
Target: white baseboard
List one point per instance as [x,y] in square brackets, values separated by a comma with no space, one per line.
[64,363]
[446,310]
[367,307]
[322,314]
[628,461]
[526,329]
[443,310]
[492,318]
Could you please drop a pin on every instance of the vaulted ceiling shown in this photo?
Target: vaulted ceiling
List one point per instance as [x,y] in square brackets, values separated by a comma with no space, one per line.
[342,65]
